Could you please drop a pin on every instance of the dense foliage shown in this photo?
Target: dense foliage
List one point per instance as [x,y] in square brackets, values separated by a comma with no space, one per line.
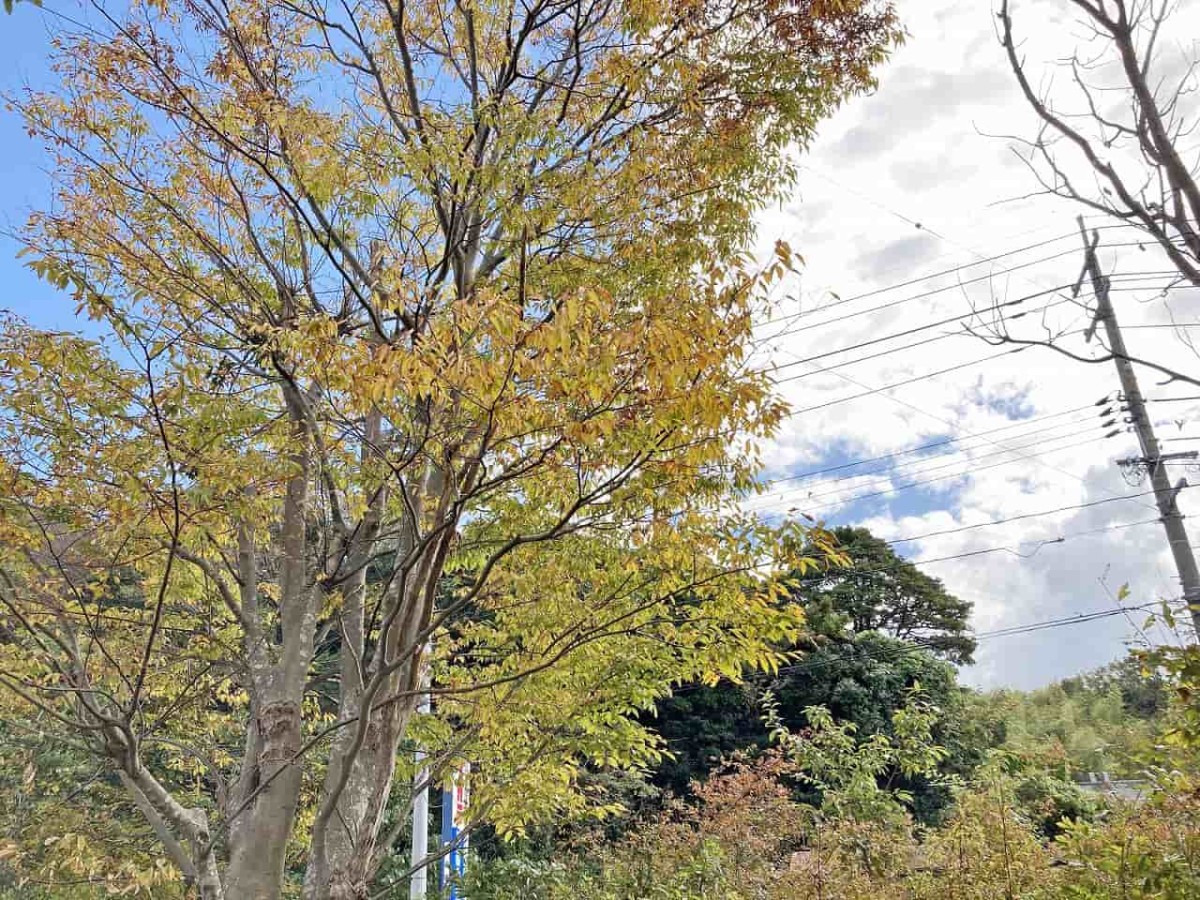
[880,591]
[876,627]
[1016,829]
[1093,723]
[862,680]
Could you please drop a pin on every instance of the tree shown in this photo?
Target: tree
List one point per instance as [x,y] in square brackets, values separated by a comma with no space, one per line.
[1144,694]
[854,669]
[881,591]
[862,682]
[1100,721]
[1116,141]
[865,681]
[852,776]
[395,295]
[703,725]
[1135,165]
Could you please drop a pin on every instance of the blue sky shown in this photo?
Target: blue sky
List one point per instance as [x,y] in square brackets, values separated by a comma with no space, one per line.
[24,184]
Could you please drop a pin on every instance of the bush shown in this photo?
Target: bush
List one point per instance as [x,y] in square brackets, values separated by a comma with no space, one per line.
[1047,803]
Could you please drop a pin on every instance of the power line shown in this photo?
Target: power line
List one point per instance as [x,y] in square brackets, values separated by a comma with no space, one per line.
[878,355]
[948,320]
[915,330]
[918,646]
[1022,517]
[887,387]
[1160,289]
[906,472]
[893,489]
[1039,436]
[918,224]
[1064,621]
[952,425]
[1117,286]
[804,314]
[900,562]
[930,276]
[1042,434]
[1060,539]
[933,292]
[930,446]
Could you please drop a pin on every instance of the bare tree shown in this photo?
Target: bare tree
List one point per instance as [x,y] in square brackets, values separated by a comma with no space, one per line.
[1118,142]
[1134,151]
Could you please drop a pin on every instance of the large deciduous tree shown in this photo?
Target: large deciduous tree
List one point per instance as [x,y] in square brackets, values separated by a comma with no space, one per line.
[408,308]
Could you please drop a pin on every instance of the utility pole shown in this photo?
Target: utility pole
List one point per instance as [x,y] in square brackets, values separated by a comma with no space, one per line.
[419,882]
[1152,457]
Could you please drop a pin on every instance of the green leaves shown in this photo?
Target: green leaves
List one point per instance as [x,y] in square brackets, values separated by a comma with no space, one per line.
[880,591]
[847,771]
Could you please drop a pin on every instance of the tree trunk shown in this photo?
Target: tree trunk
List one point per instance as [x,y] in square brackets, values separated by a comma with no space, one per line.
[343,849]
[351,837]
[258,858]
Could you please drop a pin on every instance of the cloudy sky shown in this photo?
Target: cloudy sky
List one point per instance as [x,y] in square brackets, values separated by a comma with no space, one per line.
[918,179]
[914,180]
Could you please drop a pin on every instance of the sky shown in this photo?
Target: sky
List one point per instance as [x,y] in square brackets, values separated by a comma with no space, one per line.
[917,178]
[25,37]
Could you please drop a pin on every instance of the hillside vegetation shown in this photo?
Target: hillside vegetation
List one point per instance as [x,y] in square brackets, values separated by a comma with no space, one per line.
[975,796]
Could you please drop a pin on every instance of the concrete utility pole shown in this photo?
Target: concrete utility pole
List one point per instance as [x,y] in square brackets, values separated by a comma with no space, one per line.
[1152,457]
[419,882]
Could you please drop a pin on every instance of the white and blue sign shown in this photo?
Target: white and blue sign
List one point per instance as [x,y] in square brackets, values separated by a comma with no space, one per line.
[455,798]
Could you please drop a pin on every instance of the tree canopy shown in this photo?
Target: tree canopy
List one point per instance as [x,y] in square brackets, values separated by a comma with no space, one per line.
[876,627]
[395,296]
[881,591]
[861,682]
